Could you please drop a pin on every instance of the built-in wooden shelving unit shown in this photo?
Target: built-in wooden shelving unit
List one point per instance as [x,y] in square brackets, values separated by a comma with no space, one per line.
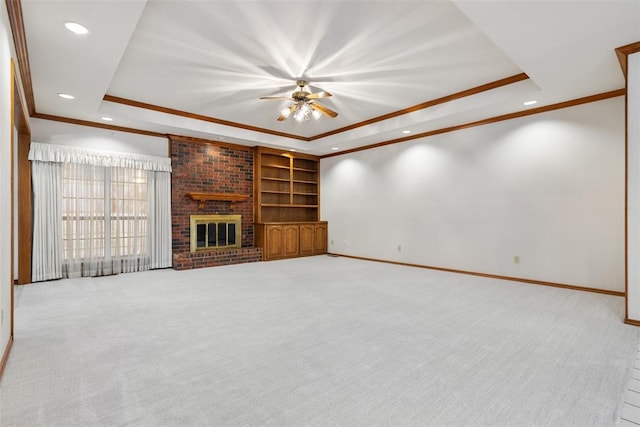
[287,204]
[287,186]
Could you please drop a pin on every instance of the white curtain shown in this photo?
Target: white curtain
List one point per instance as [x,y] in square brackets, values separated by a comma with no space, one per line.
[83,220]
[47,221]
[88,156]
[113,216]
[159,188]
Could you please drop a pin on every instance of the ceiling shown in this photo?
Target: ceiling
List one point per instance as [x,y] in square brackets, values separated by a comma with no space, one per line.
[198,68]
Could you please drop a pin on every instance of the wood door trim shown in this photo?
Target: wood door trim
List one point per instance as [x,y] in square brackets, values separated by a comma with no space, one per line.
[5,355]
[623,52]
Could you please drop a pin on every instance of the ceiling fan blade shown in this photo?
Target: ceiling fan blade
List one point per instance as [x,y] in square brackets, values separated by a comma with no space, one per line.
[284,117]
[282,98]
[323,109]
[317,95]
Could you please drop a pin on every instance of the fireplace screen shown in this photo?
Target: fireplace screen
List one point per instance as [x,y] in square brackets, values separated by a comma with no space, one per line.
[215,231]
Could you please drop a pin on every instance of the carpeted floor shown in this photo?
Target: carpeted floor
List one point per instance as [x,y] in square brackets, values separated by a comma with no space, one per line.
[318,341]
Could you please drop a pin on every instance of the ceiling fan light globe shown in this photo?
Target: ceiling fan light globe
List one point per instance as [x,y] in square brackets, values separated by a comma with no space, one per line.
[285,111]
[316,114]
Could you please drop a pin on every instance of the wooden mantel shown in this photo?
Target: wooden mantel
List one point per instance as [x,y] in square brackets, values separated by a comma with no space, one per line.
[226,197]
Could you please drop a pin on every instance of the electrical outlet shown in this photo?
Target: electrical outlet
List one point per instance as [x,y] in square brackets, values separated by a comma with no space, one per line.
[516,259]
[331,242]
[399,248]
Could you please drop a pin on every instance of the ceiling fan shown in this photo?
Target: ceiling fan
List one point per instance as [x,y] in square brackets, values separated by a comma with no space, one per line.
[304,105]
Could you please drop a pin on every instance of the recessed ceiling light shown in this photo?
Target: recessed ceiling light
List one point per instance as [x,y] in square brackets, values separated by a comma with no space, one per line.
[107,119]
[335,148]
[66,96]
[76,28]
[530,102]
[406,131]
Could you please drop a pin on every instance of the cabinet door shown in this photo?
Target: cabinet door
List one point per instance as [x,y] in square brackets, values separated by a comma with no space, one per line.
[320,239]
[274,242]
[306,239]
[290,240]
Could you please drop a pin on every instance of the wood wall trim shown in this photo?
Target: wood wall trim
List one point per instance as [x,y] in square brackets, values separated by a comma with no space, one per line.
[97,125]
[503,117]
[5,356]
[25,217]
[458,95]
[25,214]
[631,322]
[14,10]
[623,51]
[15,119]
[188,115]
[493,276]
[626,193]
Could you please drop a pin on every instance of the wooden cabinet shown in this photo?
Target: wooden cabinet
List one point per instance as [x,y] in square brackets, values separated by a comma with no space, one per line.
[273,247]
[307,239]
[320,236]
[280,241]
[289,240]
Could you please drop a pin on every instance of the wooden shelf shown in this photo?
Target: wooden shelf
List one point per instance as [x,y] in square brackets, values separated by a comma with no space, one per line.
[304,182]
[305,170]
[266,178]
[225,197]
[279,205]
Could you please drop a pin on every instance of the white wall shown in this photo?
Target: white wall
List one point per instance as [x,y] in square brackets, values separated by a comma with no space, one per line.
[547,188]
[52,132]
[6,131]
[633,212]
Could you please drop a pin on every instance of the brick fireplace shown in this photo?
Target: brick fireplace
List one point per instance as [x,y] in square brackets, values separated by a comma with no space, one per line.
[209,167]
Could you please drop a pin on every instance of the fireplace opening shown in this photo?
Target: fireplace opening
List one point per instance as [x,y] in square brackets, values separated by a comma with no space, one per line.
[215,232]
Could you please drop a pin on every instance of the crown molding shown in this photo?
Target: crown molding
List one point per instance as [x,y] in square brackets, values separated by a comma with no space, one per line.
[14,10]
[97,125]
[509,116]
[448,98]
[186,114]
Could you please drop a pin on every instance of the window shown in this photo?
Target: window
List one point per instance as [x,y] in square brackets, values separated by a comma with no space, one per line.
[98,212]
[104,212]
